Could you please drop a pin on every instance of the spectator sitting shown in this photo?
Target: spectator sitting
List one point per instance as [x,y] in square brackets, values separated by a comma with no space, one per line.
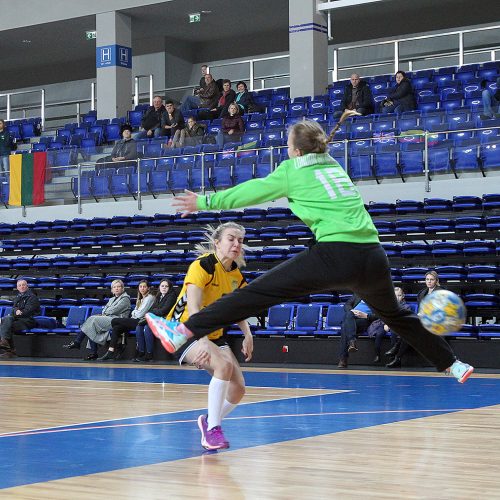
[206,97]
[171,120]
[358,317]
[192,135]
[124,149]
[232,126]
[164,301]
[97,327]
[490,100]
[400,347]
[151,121]
[24,309]
[245,101]
[7,144]
[228,96]
[401,97]
[357,96]
[122,326]
[378,329]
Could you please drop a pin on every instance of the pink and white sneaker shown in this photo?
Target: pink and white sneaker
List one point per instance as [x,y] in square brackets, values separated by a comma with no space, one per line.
[166,330]
[212,439]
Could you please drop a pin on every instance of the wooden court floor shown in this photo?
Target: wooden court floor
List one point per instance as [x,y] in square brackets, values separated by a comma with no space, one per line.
[96,431]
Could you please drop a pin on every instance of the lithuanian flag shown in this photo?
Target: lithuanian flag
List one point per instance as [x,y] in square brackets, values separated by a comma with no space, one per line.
[27,179]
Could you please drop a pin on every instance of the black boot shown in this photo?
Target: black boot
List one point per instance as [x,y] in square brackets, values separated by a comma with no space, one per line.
[148,356]
[395,363]
[71,345]
[138,356]
[91,357]
[392,351]
[107,355]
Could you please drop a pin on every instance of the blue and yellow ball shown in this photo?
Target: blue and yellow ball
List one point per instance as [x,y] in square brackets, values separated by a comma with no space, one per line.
[442,312]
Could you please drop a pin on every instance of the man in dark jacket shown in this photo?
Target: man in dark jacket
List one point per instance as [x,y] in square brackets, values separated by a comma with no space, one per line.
[357,318]
[26,306]
[357,96]
[124,149]
[207,97]
[171,120]
[151,121]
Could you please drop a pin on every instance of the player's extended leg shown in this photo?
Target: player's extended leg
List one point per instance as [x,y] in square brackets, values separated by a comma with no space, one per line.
[378,293]
[323,267]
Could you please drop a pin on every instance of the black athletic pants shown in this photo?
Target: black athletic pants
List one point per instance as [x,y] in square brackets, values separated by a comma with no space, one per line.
[361,268]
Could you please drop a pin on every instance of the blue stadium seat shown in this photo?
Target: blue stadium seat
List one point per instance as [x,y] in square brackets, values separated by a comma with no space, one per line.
[386,164]
[99,187]
[465,158]
[119,185]
[308,319]
[333,322]
[279,319]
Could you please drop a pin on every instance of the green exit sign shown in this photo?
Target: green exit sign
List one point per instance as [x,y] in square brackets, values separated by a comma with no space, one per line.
[195,18]
[90,35]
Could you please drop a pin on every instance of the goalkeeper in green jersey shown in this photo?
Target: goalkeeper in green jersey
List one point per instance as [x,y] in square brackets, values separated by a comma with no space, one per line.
[346,254]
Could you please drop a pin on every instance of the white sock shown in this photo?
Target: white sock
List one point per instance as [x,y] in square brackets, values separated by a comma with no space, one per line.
[227,408]
[217,390]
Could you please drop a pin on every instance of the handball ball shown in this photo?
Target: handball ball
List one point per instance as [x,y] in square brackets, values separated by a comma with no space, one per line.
[442,312]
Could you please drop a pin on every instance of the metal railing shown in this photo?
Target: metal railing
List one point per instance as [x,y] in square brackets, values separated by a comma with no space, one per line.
[398,60]
[426,142]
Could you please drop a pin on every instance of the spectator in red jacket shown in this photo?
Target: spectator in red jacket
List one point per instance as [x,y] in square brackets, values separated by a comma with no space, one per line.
[232,126]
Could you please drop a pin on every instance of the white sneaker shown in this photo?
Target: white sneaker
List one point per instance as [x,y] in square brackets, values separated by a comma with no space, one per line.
[461,371]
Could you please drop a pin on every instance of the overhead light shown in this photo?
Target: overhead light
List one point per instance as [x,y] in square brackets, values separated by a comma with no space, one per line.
[26,41]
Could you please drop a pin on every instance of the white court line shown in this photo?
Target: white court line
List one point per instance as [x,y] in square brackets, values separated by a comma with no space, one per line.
[170,422]
[62,427]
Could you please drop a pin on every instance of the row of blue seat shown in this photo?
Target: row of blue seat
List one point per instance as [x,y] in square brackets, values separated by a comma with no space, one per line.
[307,319]
[290,232]
[489,201]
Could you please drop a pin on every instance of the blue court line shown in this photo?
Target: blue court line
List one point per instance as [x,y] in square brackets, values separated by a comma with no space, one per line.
[117,444]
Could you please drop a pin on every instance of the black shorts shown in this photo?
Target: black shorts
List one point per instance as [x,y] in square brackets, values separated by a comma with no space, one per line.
[221,342]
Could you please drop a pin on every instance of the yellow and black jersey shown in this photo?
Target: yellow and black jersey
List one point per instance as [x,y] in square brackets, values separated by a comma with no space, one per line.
[207,273]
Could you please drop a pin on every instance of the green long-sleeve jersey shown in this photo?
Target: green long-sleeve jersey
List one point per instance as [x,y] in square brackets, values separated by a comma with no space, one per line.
[319,192]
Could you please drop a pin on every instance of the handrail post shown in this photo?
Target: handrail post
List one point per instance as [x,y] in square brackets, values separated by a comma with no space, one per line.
[139,193]
[461,48]
[151,91]
[8,106]
[203,172]
[92,96]
[396,56]
[271,157]
[42,111]
[78,114]
[346,152]
[79,191]
[335,71]
[136,91]
[426,162]
[251,73]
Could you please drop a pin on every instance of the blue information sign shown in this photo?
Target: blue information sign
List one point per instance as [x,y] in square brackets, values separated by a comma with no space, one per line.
[113,55]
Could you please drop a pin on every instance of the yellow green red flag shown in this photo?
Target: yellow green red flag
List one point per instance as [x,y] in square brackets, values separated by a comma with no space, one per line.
[27,179]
